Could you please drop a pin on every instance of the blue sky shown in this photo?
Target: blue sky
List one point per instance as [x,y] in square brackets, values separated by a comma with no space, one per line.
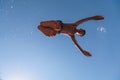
[26,54]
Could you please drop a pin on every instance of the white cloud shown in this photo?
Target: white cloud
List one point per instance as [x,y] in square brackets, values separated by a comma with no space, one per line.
[101,29]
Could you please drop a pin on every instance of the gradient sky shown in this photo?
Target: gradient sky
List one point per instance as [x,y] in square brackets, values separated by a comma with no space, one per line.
[26,54]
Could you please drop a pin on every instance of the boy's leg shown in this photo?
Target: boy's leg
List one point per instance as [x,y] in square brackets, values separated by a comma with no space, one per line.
[52,24]
[47,31]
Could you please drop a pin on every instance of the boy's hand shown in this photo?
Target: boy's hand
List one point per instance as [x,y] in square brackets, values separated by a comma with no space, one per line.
[98,17]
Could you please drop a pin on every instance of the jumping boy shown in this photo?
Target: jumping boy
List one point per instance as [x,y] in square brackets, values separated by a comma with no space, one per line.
[52,27]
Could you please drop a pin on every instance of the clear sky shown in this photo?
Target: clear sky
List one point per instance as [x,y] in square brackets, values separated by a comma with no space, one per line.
[26,54]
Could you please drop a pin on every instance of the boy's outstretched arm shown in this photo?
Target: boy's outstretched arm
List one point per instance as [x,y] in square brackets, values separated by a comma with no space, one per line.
[78,46]
[87,19]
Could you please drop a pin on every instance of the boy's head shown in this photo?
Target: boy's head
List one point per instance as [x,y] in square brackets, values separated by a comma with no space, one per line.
[81,32]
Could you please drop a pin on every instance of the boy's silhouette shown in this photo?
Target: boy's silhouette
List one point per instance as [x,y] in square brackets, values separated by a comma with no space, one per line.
[53,27]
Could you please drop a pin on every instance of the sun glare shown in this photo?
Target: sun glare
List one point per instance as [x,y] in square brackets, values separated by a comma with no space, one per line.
[17,76]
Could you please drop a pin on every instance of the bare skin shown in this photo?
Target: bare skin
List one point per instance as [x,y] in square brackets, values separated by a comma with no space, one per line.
[51,28]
